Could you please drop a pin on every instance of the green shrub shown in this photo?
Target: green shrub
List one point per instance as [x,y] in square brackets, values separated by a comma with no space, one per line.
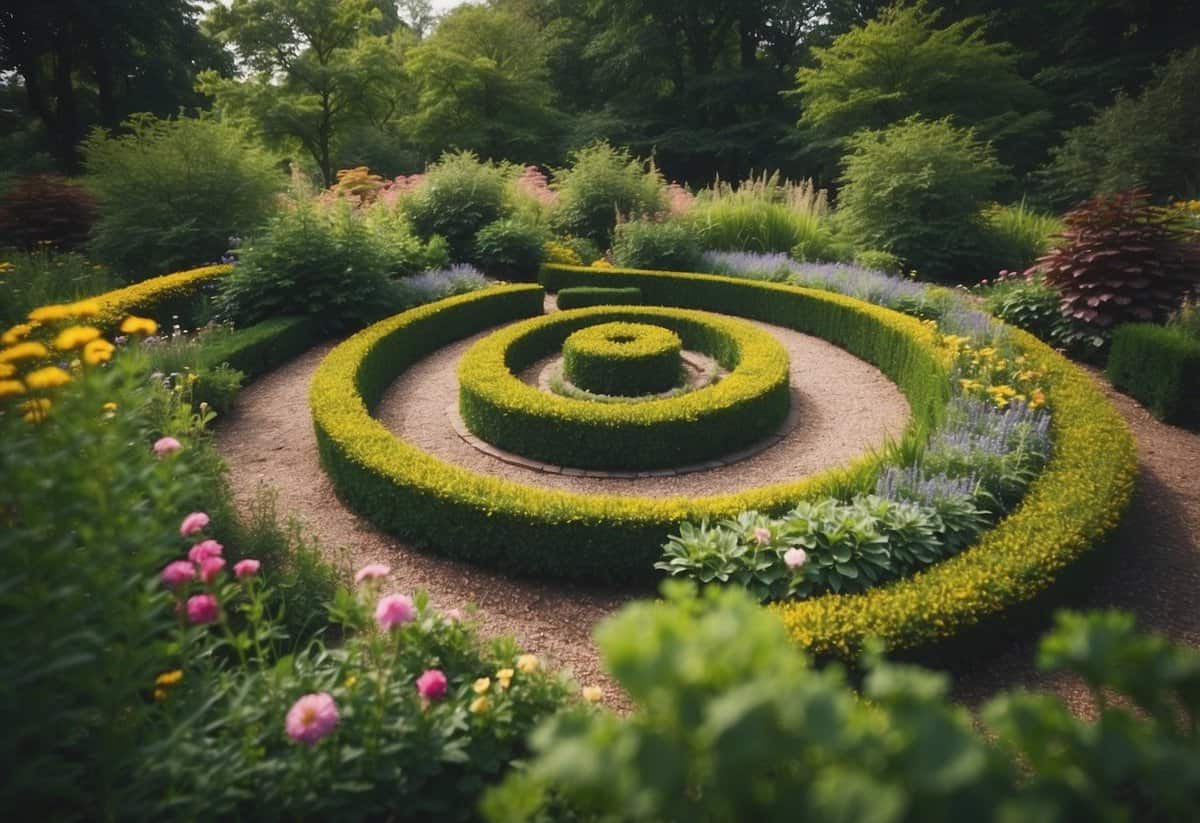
[883,261]
[648,244]
[916,189]
[404,252]
[316,260]
[623,359]
[1160,366]
[510,249]
[1017,236]
[258,349]
[171,193]
[583,297]
[459,196]
[731,722]
[602,184]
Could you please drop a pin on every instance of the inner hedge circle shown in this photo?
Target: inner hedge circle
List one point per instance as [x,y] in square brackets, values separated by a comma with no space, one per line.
[742,408]
[623,359]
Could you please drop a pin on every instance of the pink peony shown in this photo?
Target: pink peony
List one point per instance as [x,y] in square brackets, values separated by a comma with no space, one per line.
[177,572]
[204,550]
[311,717]
[762,536]
[432,684]
[394,609]
[795,558]
[371,571]
[246,568]
[194,522]
[166,445]
[210,567]
[202,608]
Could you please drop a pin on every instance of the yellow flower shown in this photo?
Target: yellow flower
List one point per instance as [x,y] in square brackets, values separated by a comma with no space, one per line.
[56,311]
[85,308]
[6,266]
[51,377]
[170,678]
[351,681]
[16,333]
[138,325]
[7,369]
[109,406]
[11,388]
[1037,399]
[592,694]
[28,350]
[35,409]
[160,695]
[504,678]
[75,336]
[480,704]
[481,685]
[527,663]
[98,351]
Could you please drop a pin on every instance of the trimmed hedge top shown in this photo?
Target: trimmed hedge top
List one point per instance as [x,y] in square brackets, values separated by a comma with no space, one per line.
[623,359]
[150,296]
[585,296]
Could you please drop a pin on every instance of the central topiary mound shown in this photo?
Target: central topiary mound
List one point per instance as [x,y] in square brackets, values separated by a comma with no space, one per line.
[623,359]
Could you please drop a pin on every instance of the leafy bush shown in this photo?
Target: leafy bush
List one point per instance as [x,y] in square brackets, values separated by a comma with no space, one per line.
[731,722]
[883,261]
[602,185]
[44,275]
[916,190]
[510,249]
[1025,301]
[764,215]
[1017,236]
[312,260]
[404,253]
[172,192]
[1160,366]
[1121,259]
[43,208]
[647,244]
[583,297]
[459,196]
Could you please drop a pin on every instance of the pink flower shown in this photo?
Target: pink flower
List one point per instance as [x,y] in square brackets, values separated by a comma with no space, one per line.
[246,568]
[762,536]
[795,558]
[166,445]
[311,717]
[202,608]
[194,522]
[371,571]
[454,615]
[177,572]
[432,684]
[210,567]
[204,550]
[393,610]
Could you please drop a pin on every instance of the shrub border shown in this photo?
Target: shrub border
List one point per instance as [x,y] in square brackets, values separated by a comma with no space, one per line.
[745,406]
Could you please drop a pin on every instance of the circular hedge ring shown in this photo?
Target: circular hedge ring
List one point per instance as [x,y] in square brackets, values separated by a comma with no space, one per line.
[623,359]
[744,407]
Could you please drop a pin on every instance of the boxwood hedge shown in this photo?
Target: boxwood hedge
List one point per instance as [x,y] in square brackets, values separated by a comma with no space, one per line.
[584,296]
[746,405]
[158,297]
[624,359]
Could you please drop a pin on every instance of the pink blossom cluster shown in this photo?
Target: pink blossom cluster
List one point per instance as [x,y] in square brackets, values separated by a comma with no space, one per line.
[533,183]
[679,200]
[394,189]
[205,563]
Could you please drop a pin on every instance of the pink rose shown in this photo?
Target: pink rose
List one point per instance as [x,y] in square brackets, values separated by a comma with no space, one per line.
[210,567]
[371,571]
[166,445]
[762,536]
[432,684]
[177,572]
[311,717]
[394,609]
[246,568]
[202,609]
[194,522]
[795,558]
[204,550]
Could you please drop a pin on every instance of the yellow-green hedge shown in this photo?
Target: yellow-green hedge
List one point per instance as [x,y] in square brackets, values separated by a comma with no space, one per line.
[155,296]
[535,531]
[745,406]
[628,359]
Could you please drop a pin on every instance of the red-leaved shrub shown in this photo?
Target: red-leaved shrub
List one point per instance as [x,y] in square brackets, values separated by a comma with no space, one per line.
[46,208]
[1121,258]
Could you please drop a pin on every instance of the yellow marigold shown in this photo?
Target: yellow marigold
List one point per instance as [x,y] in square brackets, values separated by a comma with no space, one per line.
[480,704]
[592,694]
[36,409]
[11,388]
[17,332]
[527,663]
[7,369]
[481,685]
[75,336]
[55,311]
[138,325]
[29,350]
[169,678]
[98,351]
[50,377]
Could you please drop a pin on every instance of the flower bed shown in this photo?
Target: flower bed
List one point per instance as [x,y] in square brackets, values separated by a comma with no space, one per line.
[743,407]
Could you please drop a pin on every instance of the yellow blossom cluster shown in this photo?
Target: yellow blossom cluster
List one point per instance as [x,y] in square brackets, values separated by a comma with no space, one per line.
[557,252]
[1002,378]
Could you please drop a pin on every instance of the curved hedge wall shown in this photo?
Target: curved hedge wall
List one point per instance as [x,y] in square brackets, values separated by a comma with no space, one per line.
[623,359]
[584,297]
[158,296]
[746,405]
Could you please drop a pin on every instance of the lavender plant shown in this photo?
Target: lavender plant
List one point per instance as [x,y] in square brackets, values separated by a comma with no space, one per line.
[438,284]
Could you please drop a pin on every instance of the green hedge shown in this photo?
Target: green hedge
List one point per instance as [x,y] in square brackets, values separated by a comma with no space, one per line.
[745,406]
[257,349]
[1160,367]
[583,297]
[623,359]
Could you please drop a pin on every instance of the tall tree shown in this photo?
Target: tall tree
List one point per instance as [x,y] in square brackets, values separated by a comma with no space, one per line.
[315,70]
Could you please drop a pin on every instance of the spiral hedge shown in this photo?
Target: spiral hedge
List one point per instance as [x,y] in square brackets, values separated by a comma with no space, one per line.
[1077,499]
[745,406]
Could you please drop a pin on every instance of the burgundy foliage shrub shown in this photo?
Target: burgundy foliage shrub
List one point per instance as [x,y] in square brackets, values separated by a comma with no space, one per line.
[46,208]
